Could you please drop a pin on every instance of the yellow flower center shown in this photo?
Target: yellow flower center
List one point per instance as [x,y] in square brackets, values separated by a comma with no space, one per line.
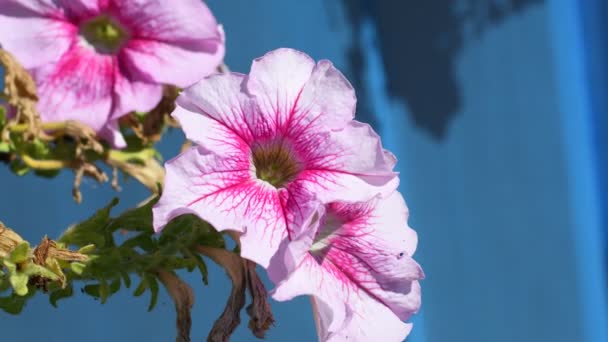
[275,164]
[103,33]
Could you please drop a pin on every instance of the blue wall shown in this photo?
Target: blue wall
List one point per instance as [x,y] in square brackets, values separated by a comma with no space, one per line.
[494,110]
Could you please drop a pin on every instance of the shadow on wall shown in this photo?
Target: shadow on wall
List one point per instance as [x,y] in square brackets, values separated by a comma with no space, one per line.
[419,41]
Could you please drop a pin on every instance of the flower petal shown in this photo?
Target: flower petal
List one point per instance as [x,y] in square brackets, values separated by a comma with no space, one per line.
[346,165]
[133,95]
[309,278]
[171,43]
[91,74]
[298,94]
[225,111]
[222,191]
[369,320]
[35,32]
[111,133]
[355,263]
[184,21]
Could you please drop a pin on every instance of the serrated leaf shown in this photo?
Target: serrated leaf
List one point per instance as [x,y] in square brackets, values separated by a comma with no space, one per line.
[90,231]
[19,283]
[142,241]
[137,219]
[20,253]
[60,294]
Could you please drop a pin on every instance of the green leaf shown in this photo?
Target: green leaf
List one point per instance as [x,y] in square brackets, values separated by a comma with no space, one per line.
[5,147]
[142,241]
[47,173]
[20,253]
[19,283]
[13,304]
[77,267]
[202,266]
[104,291]
[153,285]
[33,269]
[92,290]
[141,288]
[137,219]
[2,115]
[18,167]
[90,231]
[87,249]
[60,294]
[126,279]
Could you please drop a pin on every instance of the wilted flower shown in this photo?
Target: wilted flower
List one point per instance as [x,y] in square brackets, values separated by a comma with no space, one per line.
[269,143]
[95,61]
[355,260]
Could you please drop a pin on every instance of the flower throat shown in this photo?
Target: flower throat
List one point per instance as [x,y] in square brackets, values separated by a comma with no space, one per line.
[275,164]
[103,33]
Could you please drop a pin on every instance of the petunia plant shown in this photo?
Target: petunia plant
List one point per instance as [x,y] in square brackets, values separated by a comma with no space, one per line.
[274,161]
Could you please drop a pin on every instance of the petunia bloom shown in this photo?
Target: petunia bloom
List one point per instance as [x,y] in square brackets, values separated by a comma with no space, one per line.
[269,143]
[95,61]
[355,260]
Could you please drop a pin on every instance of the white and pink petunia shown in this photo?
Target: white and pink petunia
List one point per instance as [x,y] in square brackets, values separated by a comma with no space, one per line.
[268,144]
[355,261]
[97,60]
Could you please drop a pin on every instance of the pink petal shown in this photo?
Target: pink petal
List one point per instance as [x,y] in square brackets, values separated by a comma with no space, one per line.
[369,320]
[184,21]
[356,265]
[296,94]
[346,165]
[222,192]
[172,43]
[78,87]
[35,32]
[111,133]
[78,10]
[133,95]
[228,117]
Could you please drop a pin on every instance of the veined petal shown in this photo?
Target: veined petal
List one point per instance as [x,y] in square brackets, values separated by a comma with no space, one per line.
[219,102]
[170,42]
[221,190]
[35,32]
[81,69]
[181,64]
[346,165]
[356,263]
[299,95]
[184,21]
[133,95]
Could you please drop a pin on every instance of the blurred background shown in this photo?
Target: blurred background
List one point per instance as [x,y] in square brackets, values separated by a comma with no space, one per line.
[496,110]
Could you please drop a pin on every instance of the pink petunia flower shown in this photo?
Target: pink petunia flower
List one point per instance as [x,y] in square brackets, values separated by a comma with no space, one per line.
[96,60]
[355,260]
[269,143]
